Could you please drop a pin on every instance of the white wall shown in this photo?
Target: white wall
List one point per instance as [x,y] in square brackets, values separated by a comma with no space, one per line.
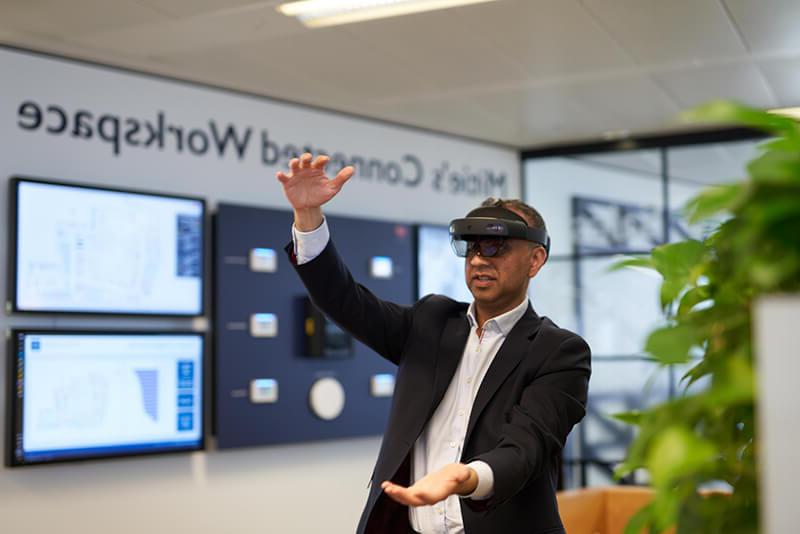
[309,488]
[778,366]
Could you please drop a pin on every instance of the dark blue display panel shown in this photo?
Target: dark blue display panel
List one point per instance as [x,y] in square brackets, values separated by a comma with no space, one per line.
[248,413]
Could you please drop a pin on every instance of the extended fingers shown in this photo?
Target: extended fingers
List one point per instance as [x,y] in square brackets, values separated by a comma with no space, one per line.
[402,495]
[305,161]
[282,177]
[294,165]
[320,162]
[342,177]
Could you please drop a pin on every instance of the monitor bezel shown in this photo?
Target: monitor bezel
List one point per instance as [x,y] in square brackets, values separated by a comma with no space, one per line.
[12,304]
[14,415]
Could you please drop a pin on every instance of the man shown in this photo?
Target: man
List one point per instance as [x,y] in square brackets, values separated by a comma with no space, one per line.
[485,394]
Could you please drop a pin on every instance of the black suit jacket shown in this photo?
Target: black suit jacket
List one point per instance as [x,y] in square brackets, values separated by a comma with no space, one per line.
[532,395]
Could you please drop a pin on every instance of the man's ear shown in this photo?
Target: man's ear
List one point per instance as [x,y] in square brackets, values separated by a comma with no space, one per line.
[538,258]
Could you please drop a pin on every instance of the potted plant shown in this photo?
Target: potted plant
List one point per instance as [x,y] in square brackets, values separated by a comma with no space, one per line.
[708,439]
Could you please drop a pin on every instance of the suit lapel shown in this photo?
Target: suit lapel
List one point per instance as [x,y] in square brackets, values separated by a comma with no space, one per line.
[514,348]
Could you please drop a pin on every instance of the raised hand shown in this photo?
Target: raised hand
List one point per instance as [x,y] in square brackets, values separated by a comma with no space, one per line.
[306,186]
[435,487]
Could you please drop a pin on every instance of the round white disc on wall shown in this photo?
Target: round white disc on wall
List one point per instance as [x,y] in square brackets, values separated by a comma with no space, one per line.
[326,398]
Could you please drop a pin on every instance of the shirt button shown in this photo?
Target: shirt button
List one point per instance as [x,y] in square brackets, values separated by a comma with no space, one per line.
[469,380]
[439,510]
[453,444]
[461,413]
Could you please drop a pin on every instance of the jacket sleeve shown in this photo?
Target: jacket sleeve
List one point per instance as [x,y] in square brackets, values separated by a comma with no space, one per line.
[381,325]
[538,424]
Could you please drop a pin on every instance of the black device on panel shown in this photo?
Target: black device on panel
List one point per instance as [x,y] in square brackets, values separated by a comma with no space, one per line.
[78,395]
[86,249]
[324,338]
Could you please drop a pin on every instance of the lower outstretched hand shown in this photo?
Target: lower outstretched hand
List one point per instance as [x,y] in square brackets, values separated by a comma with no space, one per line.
[452,479]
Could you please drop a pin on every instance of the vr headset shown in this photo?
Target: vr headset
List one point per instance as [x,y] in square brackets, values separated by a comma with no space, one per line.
[486,229]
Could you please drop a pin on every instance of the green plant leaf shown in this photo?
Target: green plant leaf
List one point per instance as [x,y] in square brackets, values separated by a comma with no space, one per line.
[692,298]
[714,200]
[676,260]
[734,382]
[695,373]
[677,452]
[639,522]
[781,144]
[632,418]
[671,344]
[678,263]
[727,112]
[776,167]
[645,262]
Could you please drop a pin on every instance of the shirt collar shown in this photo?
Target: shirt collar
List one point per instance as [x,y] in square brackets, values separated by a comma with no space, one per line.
[504,322]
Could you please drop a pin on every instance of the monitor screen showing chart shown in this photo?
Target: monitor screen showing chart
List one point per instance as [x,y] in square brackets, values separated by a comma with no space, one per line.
[81,249]
[88,395]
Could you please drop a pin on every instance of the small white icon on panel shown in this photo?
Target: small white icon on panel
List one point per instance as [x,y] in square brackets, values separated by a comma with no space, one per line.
[381,385]
[263,391]
[264,325]
[263,260]
[381,267]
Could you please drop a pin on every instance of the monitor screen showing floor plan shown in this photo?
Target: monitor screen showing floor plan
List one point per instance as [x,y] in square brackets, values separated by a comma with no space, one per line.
[80,249]
[88,395]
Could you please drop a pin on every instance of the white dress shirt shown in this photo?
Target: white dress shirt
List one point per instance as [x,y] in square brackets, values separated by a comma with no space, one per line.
[442,439]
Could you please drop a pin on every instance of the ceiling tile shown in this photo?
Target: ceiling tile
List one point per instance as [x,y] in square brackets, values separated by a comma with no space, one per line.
[337,59]
[541,114]
[458,116]
[203,32]
[737,81]
[187,8]
[655,31]
[250,70]
[544,37]
[65,19]
[435,48]
[631,102]
[768,25]
[784,78]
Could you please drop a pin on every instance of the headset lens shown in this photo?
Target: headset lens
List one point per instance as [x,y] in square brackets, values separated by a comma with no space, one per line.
[486,248]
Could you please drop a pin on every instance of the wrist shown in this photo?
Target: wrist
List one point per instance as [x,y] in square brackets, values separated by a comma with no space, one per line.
[307,219]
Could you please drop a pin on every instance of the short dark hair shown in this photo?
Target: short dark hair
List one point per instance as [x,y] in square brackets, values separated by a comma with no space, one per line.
[534,218]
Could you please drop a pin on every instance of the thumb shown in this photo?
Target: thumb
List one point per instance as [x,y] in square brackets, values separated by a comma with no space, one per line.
[342,177]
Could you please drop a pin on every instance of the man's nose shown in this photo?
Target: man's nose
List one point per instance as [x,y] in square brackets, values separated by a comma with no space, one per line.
[476,259]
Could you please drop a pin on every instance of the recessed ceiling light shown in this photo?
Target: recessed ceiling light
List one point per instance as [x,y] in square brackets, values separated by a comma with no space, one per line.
[318,13]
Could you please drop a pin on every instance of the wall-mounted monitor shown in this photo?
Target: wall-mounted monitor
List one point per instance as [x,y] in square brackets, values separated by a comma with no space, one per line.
[439,270]
[86,249]
[81,395]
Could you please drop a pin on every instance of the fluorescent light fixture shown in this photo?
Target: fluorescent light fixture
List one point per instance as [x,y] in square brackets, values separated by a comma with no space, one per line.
[793,113]
[319,13]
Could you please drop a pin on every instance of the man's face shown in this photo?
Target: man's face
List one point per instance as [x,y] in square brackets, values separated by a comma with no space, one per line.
[501,281]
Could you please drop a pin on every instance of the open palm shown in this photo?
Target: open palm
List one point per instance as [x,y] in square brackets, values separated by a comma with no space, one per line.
[307,186]
[433,487]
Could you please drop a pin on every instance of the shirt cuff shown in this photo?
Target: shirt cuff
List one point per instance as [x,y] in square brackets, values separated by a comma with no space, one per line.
[309,245]
[485,487]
